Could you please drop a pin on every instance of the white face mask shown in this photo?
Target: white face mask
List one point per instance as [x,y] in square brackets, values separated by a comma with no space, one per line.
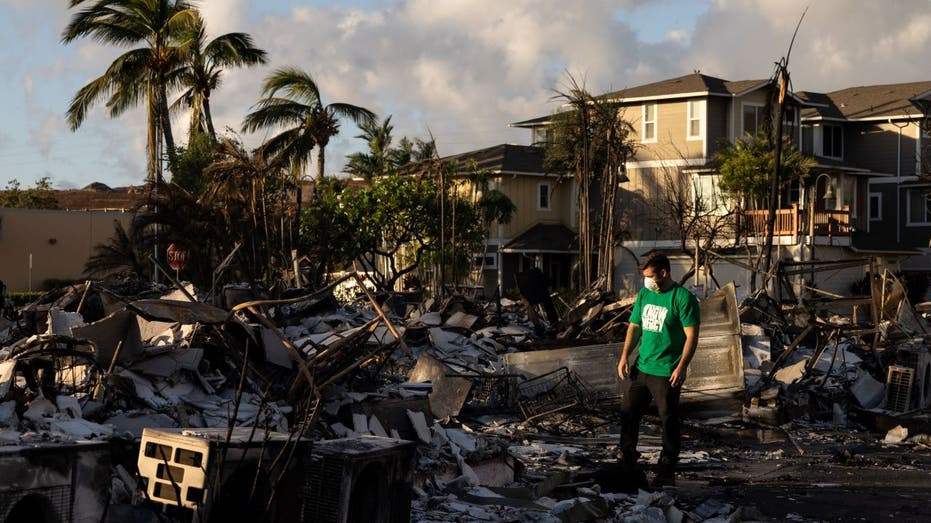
[650,283]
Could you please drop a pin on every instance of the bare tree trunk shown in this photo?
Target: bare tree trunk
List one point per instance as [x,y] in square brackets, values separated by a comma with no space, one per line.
[208,116]
[321,159]
[166,127]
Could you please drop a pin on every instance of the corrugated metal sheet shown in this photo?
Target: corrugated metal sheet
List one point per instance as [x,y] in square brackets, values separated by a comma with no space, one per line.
[716,371]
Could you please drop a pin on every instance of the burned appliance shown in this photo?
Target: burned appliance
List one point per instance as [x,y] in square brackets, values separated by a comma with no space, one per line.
[253,474]
[908,382]
[359,480]
[270,477]
[54,483]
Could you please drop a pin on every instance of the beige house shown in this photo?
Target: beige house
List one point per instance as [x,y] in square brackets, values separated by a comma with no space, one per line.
[38,245]
[542,231]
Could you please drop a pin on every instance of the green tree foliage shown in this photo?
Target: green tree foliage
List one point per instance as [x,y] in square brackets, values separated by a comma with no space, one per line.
[391,226]
[747,167]
[38,197]
[380,157]
[192,160]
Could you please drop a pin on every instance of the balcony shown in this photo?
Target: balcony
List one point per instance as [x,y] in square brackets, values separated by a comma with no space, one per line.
[795,222]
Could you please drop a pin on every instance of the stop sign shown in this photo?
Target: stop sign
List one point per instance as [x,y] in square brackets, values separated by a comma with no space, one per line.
[177,257]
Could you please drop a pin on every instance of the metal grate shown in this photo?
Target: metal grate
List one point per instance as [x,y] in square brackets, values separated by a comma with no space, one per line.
[553,392]
[490,392]
[321,490]
[899,382]
[58,497]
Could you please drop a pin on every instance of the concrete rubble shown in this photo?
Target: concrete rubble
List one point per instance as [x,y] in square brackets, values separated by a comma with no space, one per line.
[512,417]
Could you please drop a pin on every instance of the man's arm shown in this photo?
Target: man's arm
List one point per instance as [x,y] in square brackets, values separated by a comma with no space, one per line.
[688,351]
[633,335]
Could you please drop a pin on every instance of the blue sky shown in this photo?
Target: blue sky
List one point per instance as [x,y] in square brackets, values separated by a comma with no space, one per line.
[459,69]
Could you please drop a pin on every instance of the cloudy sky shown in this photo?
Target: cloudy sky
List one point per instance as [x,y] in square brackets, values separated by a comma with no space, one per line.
[459,69]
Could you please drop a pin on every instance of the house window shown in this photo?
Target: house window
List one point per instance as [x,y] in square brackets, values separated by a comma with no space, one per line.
[790,124]
[486,261]
[919,207]
[706,195]
[832,141]
[808,140]
[649,123]
[752,118]
[794,193]
[696,109]
[543,197]
[541,135]
[876,206]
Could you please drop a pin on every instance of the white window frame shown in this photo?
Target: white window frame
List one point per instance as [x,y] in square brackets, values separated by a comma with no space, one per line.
[488,256]
[717,198]
[691,107]
[645,122]
[757,106]
[549,197]
[908,206]
[878,207]
[824,152]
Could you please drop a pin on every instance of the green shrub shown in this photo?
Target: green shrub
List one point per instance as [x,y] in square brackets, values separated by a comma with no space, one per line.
[19,299]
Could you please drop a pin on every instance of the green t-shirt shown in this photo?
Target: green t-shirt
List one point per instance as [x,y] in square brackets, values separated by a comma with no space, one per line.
[662,317]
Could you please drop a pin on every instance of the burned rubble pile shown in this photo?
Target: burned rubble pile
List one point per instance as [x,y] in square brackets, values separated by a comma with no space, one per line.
[512,411]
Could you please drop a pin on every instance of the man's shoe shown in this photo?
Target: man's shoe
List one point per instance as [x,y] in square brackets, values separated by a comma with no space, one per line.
[632,478]
[665,474]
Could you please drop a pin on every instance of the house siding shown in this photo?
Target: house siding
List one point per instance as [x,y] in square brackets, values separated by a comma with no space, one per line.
[877,147]
[522,190]
[880,234]
[641,207]
[718,109]
[671,137]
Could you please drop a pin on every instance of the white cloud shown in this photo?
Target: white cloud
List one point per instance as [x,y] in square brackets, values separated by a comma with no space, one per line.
[679,36]
[462,69]
[224,16]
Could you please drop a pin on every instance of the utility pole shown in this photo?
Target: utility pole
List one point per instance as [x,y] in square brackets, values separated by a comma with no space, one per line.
[781,79]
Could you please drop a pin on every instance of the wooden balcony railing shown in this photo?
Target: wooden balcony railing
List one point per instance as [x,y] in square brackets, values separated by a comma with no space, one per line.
[794,222]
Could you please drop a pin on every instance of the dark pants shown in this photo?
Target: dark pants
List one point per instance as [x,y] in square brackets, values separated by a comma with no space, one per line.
[643,388]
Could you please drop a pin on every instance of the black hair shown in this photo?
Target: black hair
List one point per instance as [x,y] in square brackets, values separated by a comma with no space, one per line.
[657,261]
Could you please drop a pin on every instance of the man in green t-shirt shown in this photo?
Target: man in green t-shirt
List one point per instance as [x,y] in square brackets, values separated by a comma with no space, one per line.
[665,319]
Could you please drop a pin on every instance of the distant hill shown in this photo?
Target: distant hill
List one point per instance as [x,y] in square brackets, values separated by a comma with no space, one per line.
[99,196]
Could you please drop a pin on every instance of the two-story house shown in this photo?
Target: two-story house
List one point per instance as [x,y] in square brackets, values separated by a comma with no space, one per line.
[541,232]
[875,130]
[865,194]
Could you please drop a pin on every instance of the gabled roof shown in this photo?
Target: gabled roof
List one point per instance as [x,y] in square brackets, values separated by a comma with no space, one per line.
[690,85]
[868,102]
[533,122]
[543,237]
[505,158]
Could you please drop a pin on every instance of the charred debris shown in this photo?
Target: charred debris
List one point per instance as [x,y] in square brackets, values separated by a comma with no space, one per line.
[156,403]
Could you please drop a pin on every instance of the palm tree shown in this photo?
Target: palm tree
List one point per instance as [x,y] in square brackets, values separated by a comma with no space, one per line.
[203,66]
[119,254]
[308,122]
[380,156]
[145,73]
